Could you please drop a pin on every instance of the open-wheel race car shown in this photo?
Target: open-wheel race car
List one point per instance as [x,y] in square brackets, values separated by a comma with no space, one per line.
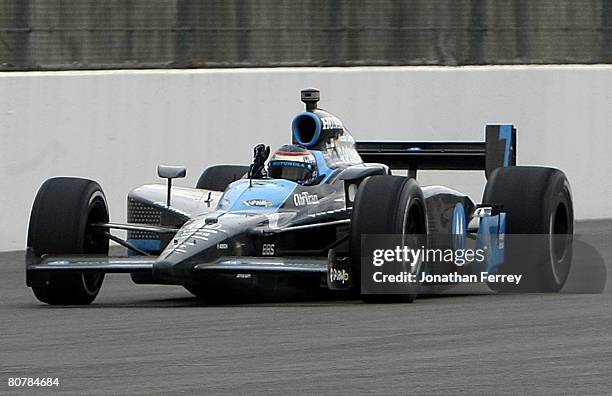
[292,223]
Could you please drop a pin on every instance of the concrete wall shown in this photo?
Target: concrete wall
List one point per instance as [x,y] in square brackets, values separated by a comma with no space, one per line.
[116,126]
[93,34]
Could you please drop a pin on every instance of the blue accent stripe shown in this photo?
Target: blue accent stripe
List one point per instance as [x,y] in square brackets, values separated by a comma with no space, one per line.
[459,227]
[491,234]
[505,133]
[322,166]
[148,245]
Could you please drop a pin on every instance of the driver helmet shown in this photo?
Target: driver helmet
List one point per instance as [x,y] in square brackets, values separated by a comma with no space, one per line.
[294,163]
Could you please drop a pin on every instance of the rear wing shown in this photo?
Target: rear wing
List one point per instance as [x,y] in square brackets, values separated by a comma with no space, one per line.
[498,150]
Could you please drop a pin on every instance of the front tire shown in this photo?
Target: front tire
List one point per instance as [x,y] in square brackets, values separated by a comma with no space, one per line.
[539,224]
[63,209]
[386,205]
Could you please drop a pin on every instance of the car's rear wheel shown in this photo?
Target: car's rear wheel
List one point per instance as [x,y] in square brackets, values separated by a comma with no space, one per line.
[63,210]
[539,226]
[218,177]
[387,205]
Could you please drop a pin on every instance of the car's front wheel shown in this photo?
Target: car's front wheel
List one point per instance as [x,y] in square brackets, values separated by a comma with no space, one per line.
[60,220]
[387,205]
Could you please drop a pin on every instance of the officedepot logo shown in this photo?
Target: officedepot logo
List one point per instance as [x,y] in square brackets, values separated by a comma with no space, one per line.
[305,198]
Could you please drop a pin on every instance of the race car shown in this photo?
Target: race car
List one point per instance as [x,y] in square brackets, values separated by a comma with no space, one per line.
[296,223]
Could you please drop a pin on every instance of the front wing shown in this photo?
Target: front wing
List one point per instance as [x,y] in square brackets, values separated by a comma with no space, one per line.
[94,264]
[295,266]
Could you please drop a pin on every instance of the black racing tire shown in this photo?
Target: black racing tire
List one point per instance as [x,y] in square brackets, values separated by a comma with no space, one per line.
[537,200]
[218,177]
[386,204]
[59,225]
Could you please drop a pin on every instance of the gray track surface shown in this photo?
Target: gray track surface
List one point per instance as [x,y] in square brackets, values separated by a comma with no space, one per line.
[158,340]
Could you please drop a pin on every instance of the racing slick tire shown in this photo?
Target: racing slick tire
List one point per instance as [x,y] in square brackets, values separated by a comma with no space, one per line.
[59,224]
[537,200]
[386,204]
[218,177]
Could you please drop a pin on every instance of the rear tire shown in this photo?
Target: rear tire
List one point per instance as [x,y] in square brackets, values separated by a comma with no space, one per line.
[218,177]
[386,205]
[59,225]
[537,200]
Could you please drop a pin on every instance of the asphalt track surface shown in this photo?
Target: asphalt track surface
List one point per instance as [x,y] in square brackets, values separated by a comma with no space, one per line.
[159,340]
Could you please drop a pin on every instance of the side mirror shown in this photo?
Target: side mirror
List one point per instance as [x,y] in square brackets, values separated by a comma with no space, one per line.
[170,172]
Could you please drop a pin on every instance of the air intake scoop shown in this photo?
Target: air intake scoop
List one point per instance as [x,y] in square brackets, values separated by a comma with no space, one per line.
[315,127]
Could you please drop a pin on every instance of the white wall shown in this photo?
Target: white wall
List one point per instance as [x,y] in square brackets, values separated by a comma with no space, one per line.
[116,126]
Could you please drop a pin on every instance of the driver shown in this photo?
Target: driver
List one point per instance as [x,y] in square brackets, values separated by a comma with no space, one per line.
[294,163]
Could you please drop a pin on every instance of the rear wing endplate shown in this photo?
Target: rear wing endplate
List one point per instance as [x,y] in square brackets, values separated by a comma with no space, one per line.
[498,150]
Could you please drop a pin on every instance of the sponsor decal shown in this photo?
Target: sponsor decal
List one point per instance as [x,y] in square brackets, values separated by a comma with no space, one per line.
[336,275]
[305,198]
[331,122]
[328,212]
[61,262]
[261,203]
[268,249]
[221,246]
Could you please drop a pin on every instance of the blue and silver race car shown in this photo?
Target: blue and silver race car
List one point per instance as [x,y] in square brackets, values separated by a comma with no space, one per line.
[295,222]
